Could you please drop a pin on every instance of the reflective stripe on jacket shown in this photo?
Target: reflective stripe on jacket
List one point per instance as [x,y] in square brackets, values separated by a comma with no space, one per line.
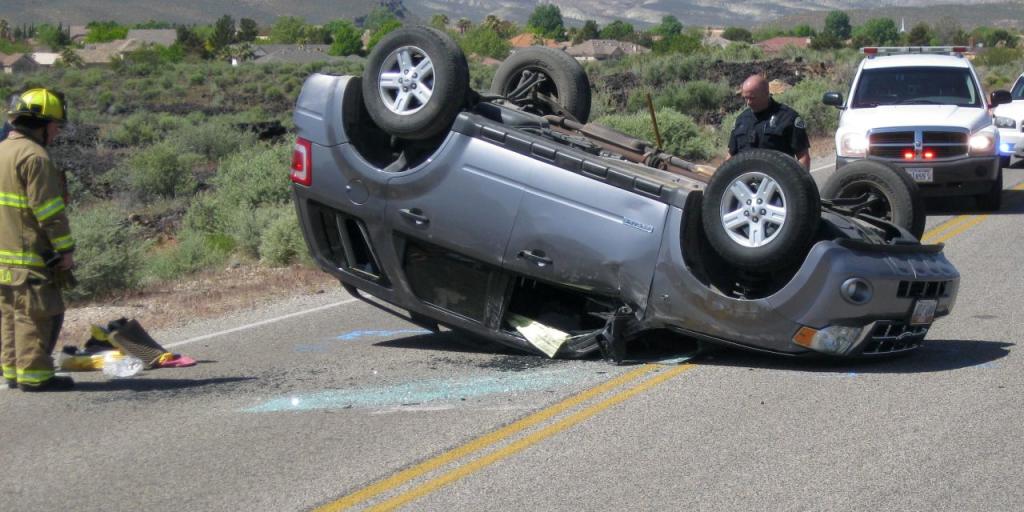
[33,223]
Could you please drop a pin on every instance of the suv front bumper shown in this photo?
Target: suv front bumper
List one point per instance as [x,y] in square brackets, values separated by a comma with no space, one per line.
[961,177]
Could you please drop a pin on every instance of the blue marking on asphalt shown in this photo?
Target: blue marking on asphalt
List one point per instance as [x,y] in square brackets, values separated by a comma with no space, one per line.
[352,335]
[425,391]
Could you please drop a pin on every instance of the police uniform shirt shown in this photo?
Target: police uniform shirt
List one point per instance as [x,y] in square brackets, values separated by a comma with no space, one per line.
[777,127]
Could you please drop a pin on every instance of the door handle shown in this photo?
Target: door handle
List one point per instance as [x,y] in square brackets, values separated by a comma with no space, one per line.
[536,256]
[415,215]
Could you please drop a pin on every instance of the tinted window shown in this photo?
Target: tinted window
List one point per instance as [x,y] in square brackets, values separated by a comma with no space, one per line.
[916,86]
[1018,89]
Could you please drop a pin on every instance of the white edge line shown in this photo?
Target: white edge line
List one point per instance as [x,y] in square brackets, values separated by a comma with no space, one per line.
[823,167]
[261,322]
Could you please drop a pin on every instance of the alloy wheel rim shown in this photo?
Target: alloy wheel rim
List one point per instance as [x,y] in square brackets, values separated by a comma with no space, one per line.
[753,210]
[406,80]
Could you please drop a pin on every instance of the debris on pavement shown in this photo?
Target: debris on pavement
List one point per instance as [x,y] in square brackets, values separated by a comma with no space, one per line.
[121,349]
[547,339]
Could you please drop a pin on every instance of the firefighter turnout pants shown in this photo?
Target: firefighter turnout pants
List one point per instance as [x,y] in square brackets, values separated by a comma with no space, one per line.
[31,315]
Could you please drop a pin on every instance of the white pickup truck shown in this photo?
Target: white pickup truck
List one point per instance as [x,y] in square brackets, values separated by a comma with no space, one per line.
[1010,121]
[923,110]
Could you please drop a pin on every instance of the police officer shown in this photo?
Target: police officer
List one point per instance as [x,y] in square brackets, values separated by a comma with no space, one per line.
[768,124]
[35,243]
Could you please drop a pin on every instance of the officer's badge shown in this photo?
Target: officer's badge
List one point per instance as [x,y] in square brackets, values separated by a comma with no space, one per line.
[799,123]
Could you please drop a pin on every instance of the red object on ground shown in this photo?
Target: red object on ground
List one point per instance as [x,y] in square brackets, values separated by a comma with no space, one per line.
[178,361]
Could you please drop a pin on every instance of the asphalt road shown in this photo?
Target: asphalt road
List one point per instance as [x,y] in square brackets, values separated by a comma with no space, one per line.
[325,401]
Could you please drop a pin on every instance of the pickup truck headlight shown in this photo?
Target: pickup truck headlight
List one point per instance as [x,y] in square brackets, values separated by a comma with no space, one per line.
[853,145]
[983,142]
[1005,122]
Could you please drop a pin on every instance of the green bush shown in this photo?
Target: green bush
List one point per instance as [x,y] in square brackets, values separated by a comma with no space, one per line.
[696,98]
[680,135]
[673,68]
[194,251]
[805,98]
[107,252]
[214,139]
[282,242]
[161,170]
[144,128]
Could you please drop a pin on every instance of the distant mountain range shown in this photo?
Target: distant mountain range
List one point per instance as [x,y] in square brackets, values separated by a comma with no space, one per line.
[639,12]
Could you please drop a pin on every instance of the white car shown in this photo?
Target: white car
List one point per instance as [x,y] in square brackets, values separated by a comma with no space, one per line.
[1010,121]
[923,110]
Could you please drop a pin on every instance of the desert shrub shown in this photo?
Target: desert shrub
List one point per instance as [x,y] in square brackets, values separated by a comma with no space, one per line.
[739,52]
[696,98]
[282,242]
[107,252]
[144,128]
[723,130]
[480,76]
[680,135]
[805,98]
[672,68]
[213,139]
[161,170]
[998,57]
[193,251]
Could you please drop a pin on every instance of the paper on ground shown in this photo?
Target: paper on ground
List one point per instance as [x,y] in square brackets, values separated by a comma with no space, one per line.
[546,339]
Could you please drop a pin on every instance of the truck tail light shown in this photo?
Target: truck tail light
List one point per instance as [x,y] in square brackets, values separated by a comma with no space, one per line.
[302,162]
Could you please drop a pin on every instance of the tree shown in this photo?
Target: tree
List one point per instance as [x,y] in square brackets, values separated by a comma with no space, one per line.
[5,31]
[70,59]
[618,30]
[737,34]
[546,21]
[287,30]
[382,31]
[105,31]
[439,21]
[378,17]
[837,23]
[589,31]
[347,39]
[247,30]
[190,42]
[485,43]
[223,32]
[54,37]
[463,25]
[878,31]
[920,35]
[687,42]
[803,30]
[669,26]
[825,41]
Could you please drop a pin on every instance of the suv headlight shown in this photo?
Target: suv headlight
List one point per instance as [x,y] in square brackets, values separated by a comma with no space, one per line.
[853,144]
[1005,122]
[983,142]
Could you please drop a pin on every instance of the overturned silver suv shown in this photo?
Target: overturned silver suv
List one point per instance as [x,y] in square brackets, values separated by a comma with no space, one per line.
[505,215]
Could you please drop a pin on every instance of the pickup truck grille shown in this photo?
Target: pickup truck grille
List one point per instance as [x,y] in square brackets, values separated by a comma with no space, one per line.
[894,145]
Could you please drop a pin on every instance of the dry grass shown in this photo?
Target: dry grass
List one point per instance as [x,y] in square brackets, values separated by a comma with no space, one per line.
[205,295]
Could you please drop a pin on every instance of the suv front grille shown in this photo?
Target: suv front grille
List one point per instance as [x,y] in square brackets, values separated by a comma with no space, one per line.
[922,289]
[889,337]
[894,145]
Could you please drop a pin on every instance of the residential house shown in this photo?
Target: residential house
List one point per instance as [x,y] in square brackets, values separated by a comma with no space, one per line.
[78,33]
[100,54]
[716,40]
[294,54]
[45,59]
[604,49]
[527,39]
[777,44]
[160,36]
[17,63]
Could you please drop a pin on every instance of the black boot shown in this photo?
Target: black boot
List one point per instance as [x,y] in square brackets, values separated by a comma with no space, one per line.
[11,383]
[53,384]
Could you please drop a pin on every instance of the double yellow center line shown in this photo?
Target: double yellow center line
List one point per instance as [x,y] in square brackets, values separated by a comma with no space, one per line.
[957,225]
[487,440]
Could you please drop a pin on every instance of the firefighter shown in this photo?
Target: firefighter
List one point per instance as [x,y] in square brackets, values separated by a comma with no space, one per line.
[768,124]
[36,247]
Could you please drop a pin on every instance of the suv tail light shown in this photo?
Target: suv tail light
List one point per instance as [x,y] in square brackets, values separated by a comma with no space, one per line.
[302,162]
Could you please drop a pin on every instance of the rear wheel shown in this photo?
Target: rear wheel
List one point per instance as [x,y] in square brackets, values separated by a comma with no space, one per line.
[544,81]
[760,210]
[416,82]
[885,191]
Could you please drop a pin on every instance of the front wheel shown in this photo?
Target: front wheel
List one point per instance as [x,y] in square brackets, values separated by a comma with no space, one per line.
[760,210]
[993,199]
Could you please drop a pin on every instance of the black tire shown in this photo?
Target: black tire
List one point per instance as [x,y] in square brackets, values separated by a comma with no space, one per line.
[893,194]
[782,243]
[449,83]
[1004,161]
[992,200]
[566,85]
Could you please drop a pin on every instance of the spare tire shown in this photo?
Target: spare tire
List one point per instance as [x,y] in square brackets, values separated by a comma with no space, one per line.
[416,82]
[761,210]
[544,81]
[889,193]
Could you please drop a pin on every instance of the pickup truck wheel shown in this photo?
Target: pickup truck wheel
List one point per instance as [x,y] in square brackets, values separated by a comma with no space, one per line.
[416,82]
[888,193]
[544,81]
[760,210]
[993,199]
[1004,161]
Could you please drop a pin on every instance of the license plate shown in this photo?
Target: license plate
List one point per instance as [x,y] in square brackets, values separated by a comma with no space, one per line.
[921,174]
[924,312]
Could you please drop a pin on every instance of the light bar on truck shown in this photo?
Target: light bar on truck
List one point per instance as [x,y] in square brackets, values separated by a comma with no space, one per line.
[903,50]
